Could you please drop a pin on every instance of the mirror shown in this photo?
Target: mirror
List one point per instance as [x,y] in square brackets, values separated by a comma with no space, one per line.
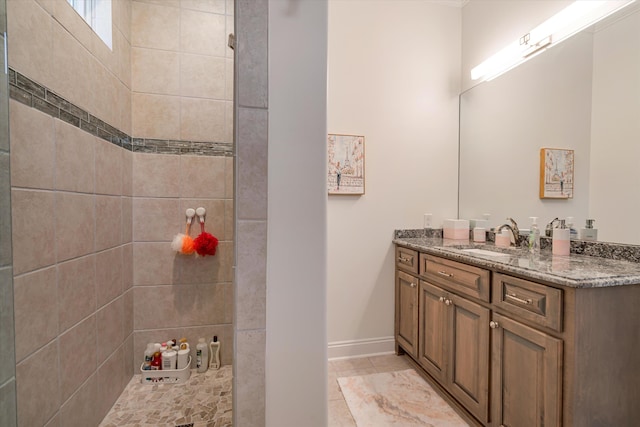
[582,95]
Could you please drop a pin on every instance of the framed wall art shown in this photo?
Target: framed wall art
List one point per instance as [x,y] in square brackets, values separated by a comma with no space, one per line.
[556,173]
[345,171]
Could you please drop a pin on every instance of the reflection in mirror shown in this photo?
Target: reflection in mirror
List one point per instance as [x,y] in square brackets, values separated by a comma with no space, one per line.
[583,95]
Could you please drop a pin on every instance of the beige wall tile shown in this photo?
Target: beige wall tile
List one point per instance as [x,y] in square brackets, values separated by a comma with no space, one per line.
[80,409]
[230,6]
[127,319]
[6,256]
[202,33]
[75,225]
[156,219]
[127,173]
[155,26]
[155,71]
[213,6]
[228,93]
[122,49]
[32,222]
[110,379]
[7,335]
[36,311]
[202,76]
[129,367]
[252,164]
[108,222]
[214,220]
[8,413]
[64,13]
[249,404]
[229,220]
[109,275]
[202,177]
[127,219]
[156,175]
[38,393]
[108,168]
[78,357]
[229,177]
[32,147]
[251,275]
[251,56]
[110,331]
[155,264]
[155,116]
[125,108]
[228,121]
[230,30]
[105,88]
[30,47]
[202,119]
[122,16]
[76,291]
[172,3]
[127,266]
[75,151]
[107,57]
[209,269]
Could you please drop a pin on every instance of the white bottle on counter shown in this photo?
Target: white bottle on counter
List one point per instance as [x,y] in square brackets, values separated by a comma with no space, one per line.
[169,357]
[561,242]
[202,356]
[214,354]
[589,233]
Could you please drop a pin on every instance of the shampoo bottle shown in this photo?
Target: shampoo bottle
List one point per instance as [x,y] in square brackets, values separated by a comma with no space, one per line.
[202,356]
[534,236]
[169,357]
[148,357]
[560,243]
[214,347]
[588,232]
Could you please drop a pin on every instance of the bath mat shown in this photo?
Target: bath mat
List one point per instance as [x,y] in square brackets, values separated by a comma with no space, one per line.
[401,398]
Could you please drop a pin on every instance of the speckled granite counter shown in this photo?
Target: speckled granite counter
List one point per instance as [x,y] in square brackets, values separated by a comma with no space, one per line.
[577,271]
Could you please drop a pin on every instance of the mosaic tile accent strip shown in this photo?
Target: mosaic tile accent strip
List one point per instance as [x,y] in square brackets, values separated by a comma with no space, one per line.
[204,400]
[28,92]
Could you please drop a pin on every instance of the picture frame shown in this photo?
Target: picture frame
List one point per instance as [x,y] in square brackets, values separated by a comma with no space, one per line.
[556,173]
[345,168]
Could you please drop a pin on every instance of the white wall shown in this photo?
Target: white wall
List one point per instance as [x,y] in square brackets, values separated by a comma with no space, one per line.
[296,356]
[394,78]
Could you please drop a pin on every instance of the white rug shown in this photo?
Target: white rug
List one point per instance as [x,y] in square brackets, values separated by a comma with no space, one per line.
[401,398]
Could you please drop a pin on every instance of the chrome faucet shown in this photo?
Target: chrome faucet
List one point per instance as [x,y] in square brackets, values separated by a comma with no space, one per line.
[513,227]
[550,226]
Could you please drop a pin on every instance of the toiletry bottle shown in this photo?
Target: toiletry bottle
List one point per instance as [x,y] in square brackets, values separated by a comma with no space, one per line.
[214,353]
[534,236]
[148,357]
[561,243]
[202,356]
[156,362]
[183,354]
[588,232]
[479,234]
[573,233]
[169,357]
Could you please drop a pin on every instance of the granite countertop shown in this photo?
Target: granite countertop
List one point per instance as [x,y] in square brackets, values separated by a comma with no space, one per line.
[577,271]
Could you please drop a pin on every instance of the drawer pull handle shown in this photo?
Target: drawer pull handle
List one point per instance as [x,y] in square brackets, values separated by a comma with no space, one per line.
[493,324]
[444,273]
[515,298]
[402,259]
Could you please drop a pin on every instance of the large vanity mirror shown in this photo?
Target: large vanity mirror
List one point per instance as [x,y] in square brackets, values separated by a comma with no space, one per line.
[581,95]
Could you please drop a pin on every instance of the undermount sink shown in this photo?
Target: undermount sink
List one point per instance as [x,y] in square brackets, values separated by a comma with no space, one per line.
[486,253]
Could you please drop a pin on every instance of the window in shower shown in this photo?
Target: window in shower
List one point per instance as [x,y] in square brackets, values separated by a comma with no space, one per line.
[96,13]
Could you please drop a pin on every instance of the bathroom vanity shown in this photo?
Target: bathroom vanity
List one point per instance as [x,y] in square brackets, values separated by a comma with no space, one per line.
[518,340]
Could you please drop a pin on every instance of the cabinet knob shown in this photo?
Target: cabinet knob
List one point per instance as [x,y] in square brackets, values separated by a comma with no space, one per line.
[493,325]
[448,302]
[413,285]
[441,299]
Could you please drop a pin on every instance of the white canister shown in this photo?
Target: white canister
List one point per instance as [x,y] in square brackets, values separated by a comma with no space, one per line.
[479,234]
[183,358]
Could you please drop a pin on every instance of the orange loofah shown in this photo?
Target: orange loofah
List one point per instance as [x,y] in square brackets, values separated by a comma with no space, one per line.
[188,246]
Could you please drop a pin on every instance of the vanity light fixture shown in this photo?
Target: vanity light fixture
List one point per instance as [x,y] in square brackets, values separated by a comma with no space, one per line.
[570,20]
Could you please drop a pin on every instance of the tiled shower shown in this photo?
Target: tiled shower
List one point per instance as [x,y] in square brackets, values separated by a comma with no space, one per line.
[108,149]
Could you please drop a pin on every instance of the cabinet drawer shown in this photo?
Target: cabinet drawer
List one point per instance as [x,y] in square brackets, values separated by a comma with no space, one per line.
[407,259]
[538,303]
[465,279]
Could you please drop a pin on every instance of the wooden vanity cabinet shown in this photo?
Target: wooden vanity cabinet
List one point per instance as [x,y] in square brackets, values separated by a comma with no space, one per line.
[406,311]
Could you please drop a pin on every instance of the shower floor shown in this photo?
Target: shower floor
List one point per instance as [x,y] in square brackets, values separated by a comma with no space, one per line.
[204,400]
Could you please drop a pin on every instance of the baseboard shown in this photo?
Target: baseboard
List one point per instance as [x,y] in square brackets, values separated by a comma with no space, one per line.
[361,348]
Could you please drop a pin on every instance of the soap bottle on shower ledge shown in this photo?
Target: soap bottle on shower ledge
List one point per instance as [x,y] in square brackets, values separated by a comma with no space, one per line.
[214,353]
[202,356]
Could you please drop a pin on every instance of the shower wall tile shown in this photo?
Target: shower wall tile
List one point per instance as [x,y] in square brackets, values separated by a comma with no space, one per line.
[7,336]
[127,266]
[109,275]
[122,49]
[229,220]
[202,76]
[155,116]
[122,17]
[230,7]
[155,71]
[228,92]
[202,119]
[127,173]
[156,175]
[129,367]
[78,359]
[81,409]
[70,19]
[206,270]
[230,30]
[251,53]
[215,219]
[251,274]
[127,222]
[38,389]
[127,322]
[109,168]
[110,334]
[155,264]
[212,6]
[30,48]
[252,164]
[8,411]
[76,291]
[55,421]
[75,151]
[109,377]
[32,147]
[228,125]
[249,391]
[32,222]
[202,177]
[108,222]
[229,177]
[6,257]
[202,33]
[75,225]
[155,26]
[156,219]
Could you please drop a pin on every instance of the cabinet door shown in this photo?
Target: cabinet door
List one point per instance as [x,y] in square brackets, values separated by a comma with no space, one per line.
[407,312]
[432,328]
[526,375]
[468,373]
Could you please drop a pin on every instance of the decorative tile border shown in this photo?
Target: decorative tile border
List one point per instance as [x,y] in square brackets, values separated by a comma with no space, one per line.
[28,92]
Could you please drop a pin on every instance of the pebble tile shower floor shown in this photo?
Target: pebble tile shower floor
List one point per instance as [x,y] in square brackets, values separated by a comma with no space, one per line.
[204,400]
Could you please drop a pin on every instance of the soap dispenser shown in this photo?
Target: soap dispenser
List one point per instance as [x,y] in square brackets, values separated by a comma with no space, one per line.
[589,233]
[561,242]
[534,236]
